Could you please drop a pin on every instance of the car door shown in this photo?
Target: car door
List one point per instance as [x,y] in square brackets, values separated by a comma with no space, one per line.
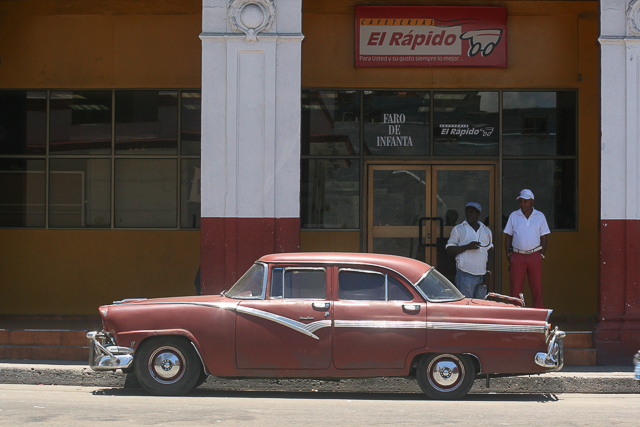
[378,320]
[290,328]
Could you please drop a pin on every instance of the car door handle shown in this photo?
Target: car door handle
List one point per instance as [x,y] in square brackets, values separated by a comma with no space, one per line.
[321,305]
[411,307]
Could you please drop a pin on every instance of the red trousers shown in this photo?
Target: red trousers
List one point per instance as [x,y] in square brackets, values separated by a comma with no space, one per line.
[527,265]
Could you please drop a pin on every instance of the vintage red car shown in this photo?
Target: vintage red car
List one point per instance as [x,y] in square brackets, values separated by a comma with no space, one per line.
[329,316]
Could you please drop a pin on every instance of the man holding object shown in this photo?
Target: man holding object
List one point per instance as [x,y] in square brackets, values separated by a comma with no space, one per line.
[526,243]
[471,244]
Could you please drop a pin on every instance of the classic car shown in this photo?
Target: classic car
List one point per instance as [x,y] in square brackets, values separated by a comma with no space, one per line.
[328,316]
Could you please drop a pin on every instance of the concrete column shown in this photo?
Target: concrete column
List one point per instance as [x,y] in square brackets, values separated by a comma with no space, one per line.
[617,335]
[251,65]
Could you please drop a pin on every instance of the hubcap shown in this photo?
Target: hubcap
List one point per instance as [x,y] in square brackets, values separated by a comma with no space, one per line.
[446,372]
[166,365]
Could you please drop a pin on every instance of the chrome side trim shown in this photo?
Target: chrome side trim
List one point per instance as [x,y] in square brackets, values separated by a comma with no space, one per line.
[204,366]
[490,327]
[222,306]
[306,329]
[380,324]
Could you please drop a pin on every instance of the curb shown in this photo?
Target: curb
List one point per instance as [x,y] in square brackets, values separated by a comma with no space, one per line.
[599,380]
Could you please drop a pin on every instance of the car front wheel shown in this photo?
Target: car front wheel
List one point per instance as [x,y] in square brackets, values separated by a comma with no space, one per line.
[446,376]
[167,366]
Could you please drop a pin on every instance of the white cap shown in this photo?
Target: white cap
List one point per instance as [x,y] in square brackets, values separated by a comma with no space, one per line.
[526,194]
[474,205]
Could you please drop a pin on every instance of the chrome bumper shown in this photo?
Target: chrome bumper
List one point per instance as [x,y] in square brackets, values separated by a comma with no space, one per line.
[103,357]
[553,359]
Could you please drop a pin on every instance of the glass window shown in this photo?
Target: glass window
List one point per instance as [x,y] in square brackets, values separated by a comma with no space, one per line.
[145,193]
[80,122]
[330,193]
[539,123]
[250,285]
[191,122]
[400,196]
[190,186]
[466,123]
[396,123]
[23,122]
[79,193]
[22,193]
[330,122]
[146,122]
[553,183]
[292,283]
[437,288]
[361,285]
[396,291]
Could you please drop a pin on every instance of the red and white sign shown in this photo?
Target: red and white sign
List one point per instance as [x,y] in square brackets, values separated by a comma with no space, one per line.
[423,36]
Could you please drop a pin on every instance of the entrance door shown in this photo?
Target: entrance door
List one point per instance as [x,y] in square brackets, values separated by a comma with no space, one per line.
[412,208]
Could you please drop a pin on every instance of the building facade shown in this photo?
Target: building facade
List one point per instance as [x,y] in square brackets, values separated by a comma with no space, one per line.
[142,140]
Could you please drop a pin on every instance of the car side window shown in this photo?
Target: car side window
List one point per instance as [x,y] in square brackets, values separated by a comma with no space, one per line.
[397,291]
[292,283]
[364,285]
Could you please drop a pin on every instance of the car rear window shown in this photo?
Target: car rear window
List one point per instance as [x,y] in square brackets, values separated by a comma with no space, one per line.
[363,285]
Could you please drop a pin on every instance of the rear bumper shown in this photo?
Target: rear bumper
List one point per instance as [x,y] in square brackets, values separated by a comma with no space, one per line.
[553,359]
[104,356]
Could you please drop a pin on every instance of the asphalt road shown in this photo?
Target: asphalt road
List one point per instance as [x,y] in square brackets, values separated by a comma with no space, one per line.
[41,405]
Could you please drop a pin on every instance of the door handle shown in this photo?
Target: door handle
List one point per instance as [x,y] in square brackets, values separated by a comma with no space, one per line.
[321,305]
[422,222]
[411,307]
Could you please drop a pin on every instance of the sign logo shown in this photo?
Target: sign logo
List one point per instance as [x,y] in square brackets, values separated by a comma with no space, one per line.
[415,36]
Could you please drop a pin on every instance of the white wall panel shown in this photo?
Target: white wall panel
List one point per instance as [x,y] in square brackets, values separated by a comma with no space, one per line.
[251,115]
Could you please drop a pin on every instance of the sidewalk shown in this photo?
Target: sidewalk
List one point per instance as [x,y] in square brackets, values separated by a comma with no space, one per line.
[572,379]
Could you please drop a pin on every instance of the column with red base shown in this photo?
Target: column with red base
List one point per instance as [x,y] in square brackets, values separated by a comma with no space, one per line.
[617,335]
[251,62]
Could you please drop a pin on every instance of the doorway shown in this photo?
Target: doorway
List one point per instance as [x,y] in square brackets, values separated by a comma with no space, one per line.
[412,208]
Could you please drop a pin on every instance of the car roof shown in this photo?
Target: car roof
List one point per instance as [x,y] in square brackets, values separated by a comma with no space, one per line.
[410,268]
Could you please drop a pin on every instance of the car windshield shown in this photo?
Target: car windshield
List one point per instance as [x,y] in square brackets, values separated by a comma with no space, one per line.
[436,288]
[250,285]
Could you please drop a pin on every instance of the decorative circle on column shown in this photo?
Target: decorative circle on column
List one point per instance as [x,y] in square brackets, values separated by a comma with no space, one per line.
[251,16]
[633,18]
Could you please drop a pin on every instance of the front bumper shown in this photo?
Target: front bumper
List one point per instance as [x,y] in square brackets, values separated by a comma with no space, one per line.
[553,359]
[105,357]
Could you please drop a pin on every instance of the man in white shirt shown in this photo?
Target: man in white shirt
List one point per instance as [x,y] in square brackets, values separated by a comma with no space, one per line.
[472,244]
[526,243]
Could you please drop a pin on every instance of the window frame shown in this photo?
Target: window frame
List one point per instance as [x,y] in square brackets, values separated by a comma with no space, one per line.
[49,155]
[365,159]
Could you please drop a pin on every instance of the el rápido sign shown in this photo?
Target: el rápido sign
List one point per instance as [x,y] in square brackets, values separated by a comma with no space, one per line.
[422,36]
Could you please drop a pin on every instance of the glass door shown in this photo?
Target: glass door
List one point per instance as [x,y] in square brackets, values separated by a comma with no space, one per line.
[413,208]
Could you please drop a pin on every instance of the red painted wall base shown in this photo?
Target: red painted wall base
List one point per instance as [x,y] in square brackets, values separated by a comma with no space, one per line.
[229,246]
[617,335]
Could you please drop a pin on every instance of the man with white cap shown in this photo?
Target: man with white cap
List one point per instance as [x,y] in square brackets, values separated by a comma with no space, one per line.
[472,244]
[526,243]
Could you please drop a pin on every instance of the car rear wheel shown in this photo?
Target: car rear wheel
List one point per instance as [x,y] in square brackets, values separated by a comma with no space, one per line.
[167,366]
[445,376]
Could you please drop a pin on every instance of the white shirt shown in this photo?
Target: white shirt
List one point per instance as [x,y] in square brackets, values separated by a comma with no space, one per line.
[473,261]
[526,232]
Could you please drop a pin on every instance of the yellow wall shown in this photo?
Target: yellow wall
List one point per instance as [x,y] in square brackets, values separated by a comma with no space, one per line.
[75,271]
[100,44]
[103,44]
[551,45]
